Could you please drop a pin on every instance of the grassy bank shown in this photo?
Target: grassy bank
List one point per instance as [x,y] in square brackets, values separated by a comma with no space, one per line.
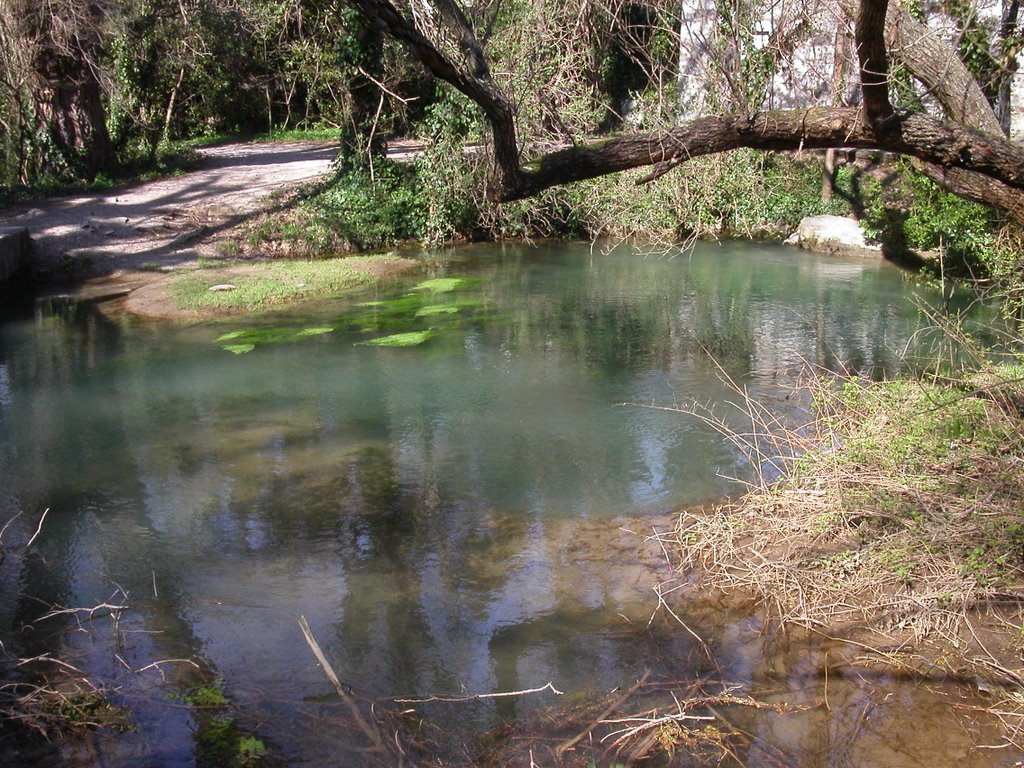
[438,198]
[898,524]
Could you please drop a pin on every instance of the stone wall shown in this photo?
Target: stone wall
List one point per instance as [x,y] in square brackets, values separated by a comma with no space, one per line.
[15,248]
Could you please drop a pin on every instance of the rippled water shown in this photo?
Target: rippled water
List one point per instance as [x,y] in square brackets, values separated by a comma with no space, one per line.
[462,516]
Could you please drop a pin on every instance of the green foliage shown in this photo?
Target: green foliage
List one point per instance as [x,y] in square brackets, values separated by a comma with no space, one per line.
[976,243]
[362,210]
[742,193]
[932,424]
[452,115]
[83,708]
[221,742]
[931,218]
[450,210]
[440,199]
[250,750]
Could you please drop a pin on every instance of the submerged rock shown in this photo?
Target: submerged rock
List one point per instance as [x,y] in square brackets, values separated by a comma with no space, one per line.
[834,234]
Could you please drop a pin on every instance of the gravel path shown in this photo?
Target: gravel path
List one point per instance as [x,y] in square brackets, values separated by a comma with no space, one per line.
[128,232]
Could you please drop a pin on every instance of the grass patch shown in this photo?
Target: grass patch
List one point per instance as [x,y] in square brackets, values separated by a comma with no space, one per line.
[273,284]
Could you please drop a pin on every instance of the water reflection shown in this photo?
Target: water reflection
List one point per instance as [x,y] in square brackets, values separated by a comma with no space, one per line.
[446,516]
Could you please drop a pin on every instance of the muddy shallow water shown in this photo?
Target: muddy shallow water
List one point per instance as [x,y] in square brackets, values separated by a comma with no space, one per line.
[468,514]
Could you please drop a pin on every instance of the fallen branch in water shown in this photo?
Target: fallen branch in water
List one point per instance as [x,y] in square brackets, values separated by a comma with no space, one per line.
[479,696]
[39,528]
[368,730]
[618,702]
[89,612]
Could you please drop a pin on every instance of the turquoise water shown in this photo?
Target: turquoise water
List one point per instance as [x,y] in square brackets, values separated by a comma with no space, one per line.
[448,516]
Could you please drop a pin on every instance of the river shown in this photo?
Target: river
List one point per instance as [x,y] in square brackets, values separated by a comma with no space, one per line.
[467,515]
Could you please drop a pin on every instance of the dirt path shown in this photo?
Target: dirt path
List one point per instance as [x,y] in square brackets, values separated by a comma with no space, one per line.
[130,234]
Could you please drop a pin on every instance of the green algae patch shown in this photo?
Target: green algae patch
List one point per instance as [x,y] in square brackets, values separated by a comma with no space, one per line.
[438,309]
[443,284]
[239,349]
[247,340]
[411,339]
[253,288]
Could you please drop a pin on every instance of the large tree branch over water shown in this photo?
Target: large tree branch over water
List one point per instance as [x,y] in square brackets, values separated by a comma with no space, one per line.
[983,157]
[906,133]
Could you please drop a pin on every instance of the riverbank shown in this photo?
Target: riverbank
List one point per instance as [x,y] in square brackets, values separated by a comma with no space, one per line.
[163,244]
[896,528]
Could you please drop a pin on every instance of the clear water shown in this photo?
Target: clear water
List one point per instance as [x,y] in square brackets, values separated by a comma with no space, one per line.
[449,517]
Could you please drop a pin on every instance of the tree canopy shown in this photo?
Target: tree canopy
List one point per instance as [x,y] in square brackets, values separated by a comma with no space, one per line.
[567,90]
[974,159]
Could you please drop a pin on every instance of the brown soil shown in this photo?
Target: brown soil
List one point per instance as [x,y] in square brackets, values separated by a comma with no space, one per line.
[125,240]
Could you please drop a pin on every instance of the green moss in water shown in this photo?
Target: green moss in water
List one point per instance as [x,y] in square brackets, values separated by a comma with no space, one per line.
[411,339]
[442,284]
[247,340]
[438,309]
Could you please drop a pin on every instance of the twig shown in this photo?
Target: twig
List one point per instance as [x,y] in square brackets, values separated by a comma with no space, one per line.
[567,745]
[635,725]
[370,732]
[8,525]
[475,697]
[38,529]
[89,611]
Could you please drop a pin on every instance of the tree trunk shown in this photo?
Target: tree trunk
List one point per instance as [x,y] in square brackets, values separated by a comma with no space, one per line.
[937,67]
[907,133]
[67,91]
[71,109]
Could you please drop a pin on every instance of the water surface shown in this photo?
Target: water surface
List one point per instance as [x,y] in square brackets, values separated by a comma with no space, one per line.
[462,516]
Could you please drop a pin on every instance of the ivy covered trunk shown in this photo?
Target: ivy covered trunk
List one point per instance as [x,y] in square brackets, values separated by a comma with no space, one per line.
[70,109]
[65,40]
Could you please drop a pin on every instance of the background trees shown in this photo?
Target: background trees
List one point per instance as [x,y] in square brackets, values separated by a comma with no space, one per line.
[142,72]
[87,87]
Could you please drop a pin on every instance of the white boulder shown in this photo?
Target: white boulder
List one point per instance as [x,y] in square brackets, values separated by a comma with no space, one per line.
[834,234]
